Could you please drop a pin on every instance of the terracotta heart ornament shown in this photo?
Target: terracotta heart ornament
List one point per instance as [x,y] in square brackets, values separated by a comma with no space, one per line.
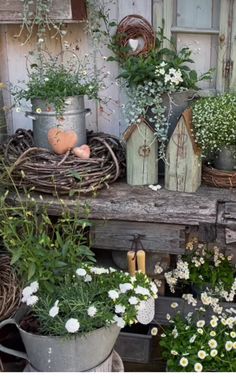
[82,152]
[62,141]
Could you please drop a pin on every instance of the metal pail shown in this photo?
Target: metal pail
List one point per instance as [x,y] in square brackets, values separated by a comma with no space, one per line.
[44,118]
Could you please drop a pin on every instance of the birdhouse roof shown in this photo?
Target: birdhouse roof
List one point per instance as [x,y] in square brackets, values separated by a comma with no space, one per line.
[128,132]
[187,116]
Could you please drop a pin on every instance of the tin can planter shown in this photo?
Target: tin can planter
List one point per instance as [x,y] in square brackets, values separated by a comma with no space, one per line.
[56,354]
[45,117]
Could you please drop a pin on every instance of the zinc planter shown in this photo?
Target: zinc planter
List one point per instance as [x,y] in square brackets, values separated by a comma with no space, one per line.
[56,354]
[45,117]
[226,158]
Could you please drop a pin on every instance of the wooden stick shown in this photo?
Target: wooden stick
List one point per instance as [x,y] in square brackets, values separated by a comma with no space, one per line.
[141,261]
[131,262]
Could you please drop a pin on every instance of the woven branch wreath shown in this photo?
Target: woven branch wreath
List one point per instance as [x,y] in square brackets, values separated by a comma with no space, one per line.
[137,30]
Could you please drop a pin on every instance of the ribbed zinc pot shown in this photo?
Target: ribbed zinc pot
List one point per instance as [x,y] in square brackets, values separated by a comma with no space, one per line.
[59,354]
[45,117]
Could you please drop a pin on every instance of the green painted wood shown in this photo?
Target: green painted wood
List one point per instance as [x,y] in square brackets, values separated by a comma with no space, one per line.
[142,166]
[183,166]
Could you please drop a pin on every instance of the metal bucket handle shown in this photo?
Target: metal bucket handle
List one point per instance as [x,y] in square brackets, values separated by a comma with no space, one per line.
[23,355]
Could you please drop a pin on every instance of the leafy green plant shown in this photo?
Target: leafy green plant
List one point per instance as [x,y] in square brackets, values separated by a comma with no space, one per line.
[191,345]
[41,247]
[93,298]
[206,268]
[214,122]
[52,81]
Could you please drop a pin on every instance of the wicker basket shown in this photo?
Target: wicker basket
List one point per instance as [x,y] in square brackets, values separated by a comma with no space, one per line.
[10,292]
[219,178]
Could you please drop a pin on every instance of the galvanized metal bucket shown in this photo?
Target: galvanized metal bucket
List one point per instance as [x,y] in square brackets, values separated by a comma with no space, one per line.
[226,158]
[56,354]
[45,117]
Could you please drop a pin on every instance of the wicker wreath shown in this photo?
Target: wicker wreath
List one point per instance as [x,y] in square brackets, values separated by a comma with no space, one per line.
[218,178]
[10,292]
[47,172]
[137,28]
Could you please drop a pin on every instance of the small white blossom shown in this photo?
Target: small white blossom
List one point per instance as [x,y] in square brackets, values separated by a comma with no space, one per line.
[54,311]
[88,278]
[72,325]
[212,343]
[32,300]
[201,354]
[154,331]
[119,309]
[228,345]
[183,362]
[125,287]
[198,367]
[174,305]
[113,294]
[81,272]
[92,310]
[213,353]
[34,286]
[133,300]
[119,321]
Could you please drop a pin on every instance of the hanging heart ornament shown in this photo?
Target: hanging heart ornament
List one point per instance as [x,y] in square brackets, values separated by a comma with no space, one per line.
[146,311]
[133,43]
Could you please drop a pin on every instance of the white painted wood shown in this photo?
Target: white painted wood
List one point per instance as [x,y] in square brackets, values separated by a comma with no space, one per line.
[232,83]
[140,7]
[183,165]
[200,46]
[157,13]
[168,14]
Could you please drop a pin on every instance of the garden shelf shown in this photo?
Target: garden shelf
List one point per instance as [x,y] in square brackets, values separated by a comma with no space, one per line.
[67,10]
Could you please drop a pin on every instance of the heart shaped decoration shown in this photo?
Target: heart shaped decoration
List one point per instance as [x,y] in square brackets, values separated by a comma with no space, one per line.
[62,141]
[133,43]
[82,152]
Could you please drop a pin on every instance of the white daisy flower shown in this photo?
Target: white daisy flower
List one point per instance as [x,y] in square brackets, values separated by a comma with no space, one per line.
[213,323]
[198,367]
[154,331]
[200,323]
[38,110]
[201,354]
[228,345]
[233,334]
[213,353]
[72,325]
[174,305]
[173,352]
[92,310]
[200,331]
[212,343]
[212,333]
[183,362]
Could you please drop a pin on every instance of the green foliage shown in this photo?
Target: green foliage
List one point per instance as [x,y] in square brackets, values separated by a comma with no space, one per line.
[214,122]
[52,81]
[91,287]
[193,342]
[206,268]
[44,248]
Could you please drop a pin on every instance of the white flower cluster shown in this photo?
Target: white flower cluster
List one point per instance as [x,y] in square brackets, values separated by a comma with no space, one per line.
[172,76]
[180,272]
[28,296]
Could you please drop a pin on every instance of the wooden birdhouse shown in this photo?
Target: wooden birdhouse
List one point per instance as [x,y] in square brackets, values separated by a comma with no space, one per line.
[183,157]
[141,154]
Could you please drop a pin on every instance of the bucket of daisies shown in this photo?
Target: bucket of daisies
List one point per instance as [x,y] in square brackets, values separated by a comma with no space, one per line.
[75,326]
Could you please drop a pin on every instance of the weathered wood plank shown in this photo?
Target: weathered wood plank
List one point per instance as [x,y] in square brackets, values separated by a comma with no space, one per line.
[141,155]
[11,10]
[133,203]
[156,238]
[183,158]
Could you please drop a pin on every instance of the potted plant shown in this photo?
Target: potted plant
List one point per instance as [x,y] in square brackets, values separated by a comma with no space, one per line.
[203,268]
[56,87]
[76,309]
[214,122]
[151,80]
[198,346]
